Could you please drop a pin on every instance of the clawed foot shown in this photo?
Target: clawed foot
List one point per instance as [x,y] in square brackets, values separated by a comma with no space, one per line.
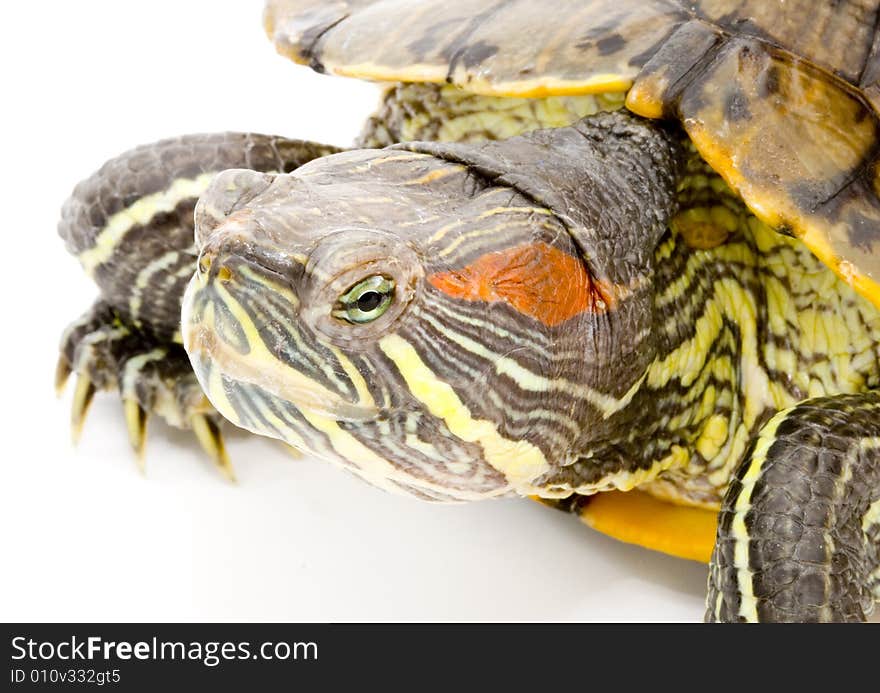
[152,376]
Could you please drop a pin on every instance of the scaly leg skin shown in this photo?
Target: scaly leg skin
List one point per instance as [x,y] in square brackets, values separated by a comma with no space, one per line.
[799,530]
[131,226]
[151,375]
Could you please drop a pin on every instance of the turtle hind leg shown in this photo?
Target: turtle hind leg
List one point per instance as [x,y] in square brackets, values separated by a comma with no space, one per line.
[152,375]
[799,530]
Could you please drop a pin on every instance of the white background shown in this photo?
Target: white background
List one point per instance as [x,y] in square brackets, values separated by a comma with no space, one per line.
[83,535]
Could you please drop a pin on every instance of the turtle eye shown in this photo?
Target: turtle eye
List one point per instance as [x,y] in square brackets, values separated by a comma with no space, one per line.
[366,300]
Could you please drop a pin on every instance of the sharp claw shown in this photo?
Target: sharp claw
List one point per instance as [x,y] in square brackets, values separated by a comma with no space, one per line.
[136,420]
[211,441]
[62,373]
[82,398]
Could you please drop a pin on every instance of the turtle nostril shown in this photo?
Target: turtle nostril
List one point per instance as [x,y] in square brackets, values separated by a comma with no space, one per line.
[204,264]
[207,267]
[224,274]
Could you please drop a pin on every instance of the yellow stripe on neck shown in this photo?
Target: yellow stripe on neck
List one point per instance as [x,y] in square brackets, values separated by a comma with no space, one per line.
[519,461]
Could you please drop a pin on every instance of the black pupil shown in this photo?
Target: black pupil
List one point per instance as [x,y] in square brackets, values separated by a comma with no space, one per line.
[369,301]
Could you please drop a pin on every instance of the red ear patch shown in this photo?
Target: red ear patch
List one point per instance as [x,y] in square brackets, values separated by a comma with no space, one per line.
[537,280]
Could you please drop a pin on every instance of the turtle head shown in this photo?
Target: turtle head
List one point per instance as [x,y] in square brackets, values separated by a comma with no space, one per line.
[411,316]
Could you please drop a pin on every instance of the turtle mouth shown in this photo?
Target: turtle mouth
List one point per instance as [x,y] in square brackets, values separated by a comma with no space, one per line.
[208,353]
[227,352]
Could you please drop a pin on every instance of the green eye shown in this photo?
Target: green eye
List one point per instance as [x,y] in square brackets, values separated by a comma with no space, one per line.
[366,300]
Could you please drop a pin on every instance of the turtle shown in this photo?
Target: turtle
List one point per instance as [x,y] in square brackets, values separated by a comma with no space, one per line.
[621,257]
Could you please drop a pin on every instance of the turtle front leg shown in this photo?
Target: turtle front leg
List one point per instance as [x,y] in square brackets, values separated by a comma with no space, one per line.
[152,375]
[131,226]
[799,530]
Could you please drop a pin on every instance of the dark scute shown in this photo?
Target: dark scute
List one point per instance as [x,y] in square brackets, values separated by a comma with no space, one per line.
[680,57]
[737,24]
[769,84]
[871,73]
[430,38]
[736,106]
[456,48]
[639,59]
[849,200]
[474,54]
[309,48]
[595,33]
[863,232]
[610,44]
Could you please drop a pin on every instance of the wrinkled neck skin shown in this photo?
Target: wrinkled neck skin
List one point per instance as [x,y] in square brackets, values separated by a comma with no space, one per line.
[742,331]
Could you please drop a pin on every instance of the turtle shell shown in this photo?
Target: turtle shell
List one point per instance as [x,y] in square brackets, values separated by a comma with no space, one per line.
[779,96]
